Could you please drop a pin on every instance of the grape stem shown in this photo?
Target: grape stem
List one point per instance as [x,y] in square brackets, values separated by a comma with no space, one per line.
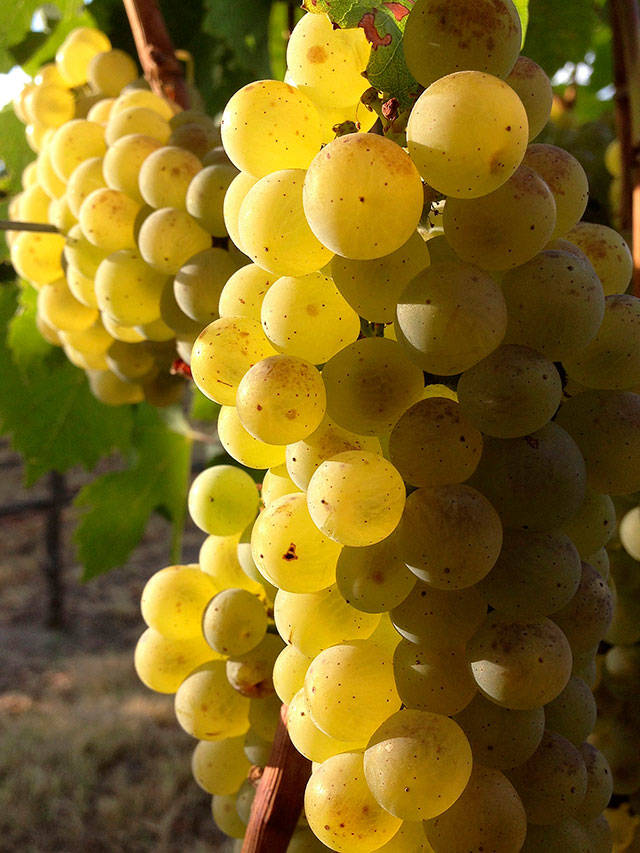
[280,796]
[625,26]
[155,50]
[44,227]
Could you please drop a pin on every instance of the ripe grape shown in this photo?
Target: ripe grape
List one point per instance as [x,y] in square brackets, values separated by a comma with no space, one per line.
[566,179]
[169,237]
[128,289]
[428,614]
[165,176]
[307,738]
[607,251]
[220,766]
[242,446]
[162,663]
[136,120]
[289,670]
[243,292]
[234,622]
[199,283]
[205,197]
[587,615]
[433,677]
[174,599]
[74,142]
[207,707]
[223,500]
[573,712]
[110,71]
[533,87]
[374,579]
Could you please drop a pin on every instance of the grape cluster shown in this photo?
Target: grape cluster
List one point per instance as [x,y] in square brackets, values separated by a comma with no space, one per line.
[135,187]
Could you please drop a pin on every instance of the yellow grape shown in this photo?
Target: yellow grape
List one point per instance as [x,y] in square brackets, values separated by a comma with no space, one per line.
[433,678]
[205,197]
[226,817]
[566,179]
[244,292]
[289,670]
[110,71]
[84,179]
[234,196]
[60,215]
[599,784]
[101,110]
[173,601]
[123,161]
[74,142]
[220,766]
[428,614]
[37,257]
[608,252]
[223,500]
[276,484]
[207,707]
[242,446]
[307,738]
[533,87]
[92,341]
[169,237]
[76,52]
[130,361]
[127,334]
[48,178]
[234,622]
[219,557]
[136,120]
[60,309]
[162,663]
[110,389]
[165,176]
[107,218]
[143,98]
[82,254]
[50,105]
[128,289]
[199,283]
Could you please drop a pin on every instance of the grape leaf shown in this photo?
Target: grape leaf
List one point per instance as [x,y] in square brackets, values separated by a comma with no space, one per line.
[25,341]
[115,507]
[383,25]
[47,408]
[14,156]
[559,32]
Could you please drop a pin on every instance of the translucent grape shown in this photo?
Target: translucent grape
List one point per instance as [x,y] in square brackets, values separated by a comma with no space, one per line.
[220,766]
[566,179]
[488,815]
[482,36]
[374,579]
[535,482]
[48,178]
[629,532]
[76,52]
[162,663]
[459,148]
[250,673]
[138,120]
[199,283]
[341,809]
[607,251]
[208,708]
[82,254]
[34,204]
[36,257]
[281,399]
[268,125]
[276,484]
[110,389]
[107,218]
[242,446]
[234,196]
[234,622]
[308,317]
[223,500]
[169,237]
[587,616]
[111,71]
[314,621]
[356,497]
[101,110]
[128,289]
[219,558]
[174,599]
[288,548]
[593,525]
[536,574]
[165,176]
[59,308]
[417,764]
[265,715]
[289,671]
[74,142]
[205,197]
[128,334]
[307,738]
[83,288]
[501,737]
[123,161]
[273,229]
[428,614]
[520,664]
[370,384]
[433,678]
[449,317]
[572,714]
[130,361]
[244,292]
[372,287]
[533,87]
[434,444]
[84,179]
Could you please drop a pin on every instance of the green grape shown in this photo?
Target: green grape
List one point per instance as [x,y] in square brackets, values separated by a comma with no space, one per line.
[536,481]
[488,815]
[363,196]
[356,497]
[289,671]
[48,178]
[165,176]
[552,782]
[305,456]
[123,161]
[234,196]
[567,836]
[341,809]
[273,230]
[478,36]
[220,766]
[244,291]
[268,125]
[600,562]
[314,621]
[250,673]
[109,72]
[433,678]
[131,362]
[174,599]
[370,383]
[572,714]
[265,715]
[307,317]
[351,690]
[242,446]
[450,316]
[501,737]
[308,739]
[169,237]
[566,179]
[34,204]
[374,579]
[606,427]
[372,287]
[276,484]
[288,548]
[519,664]
[585,619]
[629,531]
[533,87]
[449,536]
[410,838]
[59,308]
[163,663]
[245,558]
[244,801]
[593,525]
[144,98]
[535,574]
[234,622]
[128,289]
[512,392]
[110,389]
[36,257]
[207,707]
[607,251]
[257,749]
[205,197]
[505,228]
[82,254]
[428,614]
[136,120]
[599,784]
[223,500]
[281,399]
[199,283]
[219,558]
[326,63]
[611,360]
[75,142]
[107,218]
[84,179]
[50,105]
[76,52]
[481,148]
[417,764]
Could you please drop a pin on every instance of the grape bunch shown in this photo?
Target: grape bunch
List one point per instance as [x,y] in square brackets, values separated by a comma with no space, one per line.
[135,187]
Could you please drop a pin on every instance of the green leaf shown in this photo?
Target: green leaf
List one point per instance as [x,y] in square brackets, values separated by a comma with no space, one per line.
[72,15]
[559,32]
[116,506]
[14,156]
[47,408]
[202,408]
[25,341]
[244,27]
[383,24]
[15,20]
